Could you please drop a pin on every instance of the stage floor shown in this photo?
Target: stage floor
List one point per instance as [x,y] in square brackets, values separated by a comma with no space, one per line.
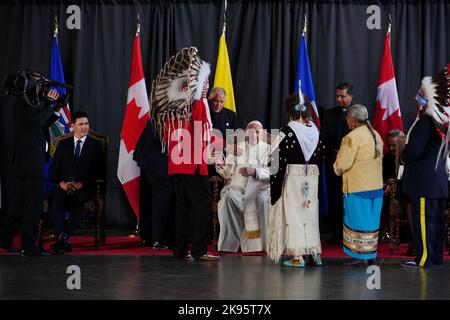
[233,277]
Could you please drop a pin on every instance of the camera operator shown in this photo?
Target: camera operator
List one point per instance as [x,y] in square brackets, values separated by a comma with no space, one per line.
[29,156]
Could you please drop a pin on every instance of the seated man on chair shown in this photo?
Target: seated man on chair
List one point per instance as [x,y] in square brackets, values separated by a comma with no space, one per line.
[244,204]
[73,171]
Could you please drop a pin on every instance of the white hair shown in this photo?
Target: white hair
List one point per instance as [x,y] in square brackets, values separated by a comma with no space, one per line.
[358,111]
[256,122]
[217,90]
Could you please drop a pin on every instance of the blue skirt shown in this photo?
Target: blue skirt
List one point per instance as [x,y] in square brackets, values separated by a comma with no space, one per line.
[361,223]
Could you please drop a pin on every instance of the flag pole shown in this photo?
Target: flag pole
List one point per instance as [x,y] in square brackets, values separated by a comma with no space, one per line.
[55,26]
[225,18]
[305,24]
[136,231]
[388,34]
[389,25]
[138,25]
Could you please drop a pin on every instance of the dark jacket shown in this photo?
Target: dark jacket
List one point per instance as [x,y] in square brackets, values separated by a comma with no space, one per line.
[334,128]
[147,153]
[420,178]
[31,134]
[223,120]
[86,169]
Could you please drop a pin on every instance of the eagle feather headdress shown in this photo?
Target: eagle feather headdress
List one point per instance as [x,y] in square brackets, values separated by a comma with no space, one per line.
[178,84]
[434,98]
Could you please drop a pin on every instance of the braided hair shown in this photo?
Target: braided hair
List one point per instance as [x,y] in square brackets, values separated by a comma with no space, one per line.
[372,132]
[359,111]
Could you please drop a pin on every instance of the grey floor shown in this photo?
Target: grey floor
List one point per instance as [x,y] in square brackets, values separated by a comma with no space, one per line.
[163,277]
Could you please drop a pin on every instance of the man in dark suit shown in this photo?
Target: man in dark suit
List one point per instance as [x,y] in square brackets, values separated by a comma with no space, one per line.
[427,189]
[158,202]
[222,119]
[425,177]
[74,170]
[334,128]
[29,156]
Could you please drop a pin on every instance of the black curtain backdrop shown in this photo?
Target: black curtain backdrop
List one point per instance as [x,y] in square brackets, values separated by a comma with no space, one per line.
[262,37]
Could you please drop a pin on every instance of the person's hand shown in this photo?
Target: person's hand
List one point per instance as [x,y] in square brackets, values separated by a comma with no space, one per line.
[64,185]
[390,187]
[219,162]
[77,185]
[53,95]
[248,172]
[234,149]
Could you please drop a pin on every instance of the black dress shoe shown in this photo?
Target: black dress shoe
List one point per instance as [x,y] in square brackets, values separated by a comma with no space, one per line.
[62,246]
[33,251]
[9,247]
[146,243]
[158,246]
[67,246]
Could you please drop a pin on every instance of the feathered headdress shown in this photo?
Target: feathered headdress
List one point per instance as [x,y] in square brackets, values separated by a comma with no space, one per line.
[434,100]
[181,81]
[300,106]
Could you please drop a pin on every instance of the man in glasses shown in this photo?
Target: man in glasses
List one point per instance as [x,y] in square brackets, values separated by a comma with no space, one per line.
[425,179]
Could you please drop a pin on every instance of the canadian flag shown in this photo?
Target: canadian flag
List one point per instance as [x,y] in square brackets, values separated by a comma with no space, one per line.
[387,114]
[134,122]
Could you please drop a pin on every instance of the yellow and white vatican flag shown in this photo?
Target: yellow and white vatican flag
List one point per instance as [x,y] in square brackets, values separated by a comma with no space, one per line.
[223,77]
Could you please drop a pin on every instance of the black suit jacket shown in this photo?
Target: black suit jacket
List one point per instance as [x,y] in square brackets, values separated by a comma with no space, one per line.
[334,129]
[223,120]
[86,169]
[31,134]
[147,153]
[420,178]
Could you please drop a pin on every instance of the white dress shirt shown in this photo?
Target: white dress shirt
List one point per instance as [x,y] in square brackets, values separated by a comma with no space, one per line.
[75,139]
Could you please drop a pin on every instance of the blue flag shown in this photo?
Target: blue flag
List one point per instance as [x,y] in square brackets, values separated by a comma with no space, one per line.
[303,74]
[304,78]
[62,125]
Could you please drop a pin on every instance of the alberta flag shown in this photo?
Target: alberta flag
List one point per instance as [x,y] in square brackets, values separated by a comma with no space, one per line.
[303,75]
[62,125]
[304,78]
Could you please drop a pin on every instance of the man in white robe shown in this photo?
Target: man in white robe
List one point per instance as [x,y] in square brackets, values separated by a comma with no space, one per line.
[244,205]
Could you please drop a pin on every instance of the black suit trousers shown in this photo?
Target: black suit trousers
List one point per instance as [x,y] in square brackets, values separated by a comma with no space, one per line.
[192,214]
[62,202]
[158,205]
[26,210]
[429,229]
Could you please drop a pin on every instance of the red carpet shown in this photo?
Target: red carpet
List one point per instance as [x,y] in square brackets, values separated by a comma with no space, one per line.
[131,246]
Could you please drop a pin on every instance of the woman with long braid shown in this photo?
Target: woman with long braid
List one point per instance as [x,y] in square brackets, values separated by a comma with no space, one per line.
[359,161]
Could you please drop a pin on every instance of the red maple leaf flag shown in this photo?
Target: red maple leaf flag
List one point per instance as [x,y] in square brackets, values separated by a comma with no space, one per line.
[134,122]
[387,114]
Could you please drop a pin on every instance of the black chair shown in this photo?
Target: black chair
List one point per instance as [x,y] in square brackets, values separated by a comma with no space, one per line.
[216,184]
